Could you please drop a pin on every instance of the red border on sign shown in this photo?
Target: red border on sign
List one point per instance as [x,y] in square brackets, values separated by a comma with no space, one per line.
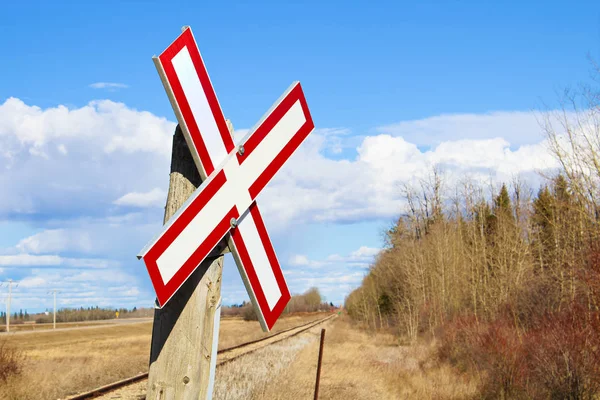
[198,147]
[272,315]
[269,315]
[165,291]
[296,94]
[186,39]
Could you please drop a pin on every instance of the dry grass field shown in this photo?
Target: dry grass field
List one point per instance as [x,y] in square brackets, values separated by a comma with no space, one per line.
[65,325]
[64,362]
[43,327]
[356,366]
[253,373]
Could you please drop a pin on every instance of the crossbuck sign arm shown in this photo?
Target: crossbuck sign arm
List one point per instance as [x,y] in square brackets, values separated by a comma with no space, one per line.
[234,180]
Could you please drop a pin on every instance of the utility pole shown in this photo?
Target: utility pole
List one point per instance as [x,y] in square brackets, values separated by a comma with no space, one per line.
[54,291]
[8,306]
[10,283]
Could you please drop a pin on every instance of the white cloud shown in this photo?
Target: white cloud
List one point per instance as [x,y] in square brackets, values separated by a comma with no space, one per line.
[239,134]
[125,290]
[33,282]
[108,85]
[99,276]
[361,257]
[119,150]
[333,285]
[112,150]
[335,140]
[31,260]
[102,126]
[369,186]
[333,132]
[154,198]
[55,240]
[302,260]
[79,288]
[364,252]
[517,127]
[134,292]
[298,259]
[69,171]
[342,273]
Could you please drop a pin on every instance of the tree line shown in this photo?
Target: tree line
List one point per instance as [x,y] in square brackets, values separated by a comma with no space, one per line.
[479,256]
[16,316]
[309,301]
[508,280]
[71,314]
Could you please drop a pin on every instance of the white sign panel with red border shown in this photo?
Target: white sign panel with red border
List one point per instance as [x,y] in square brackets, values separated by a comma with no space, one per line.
[225,203]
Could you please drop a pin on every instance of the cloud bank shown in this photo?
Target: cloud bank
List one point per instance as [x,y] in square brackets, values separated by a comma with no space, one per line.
[93,181]
[108,85]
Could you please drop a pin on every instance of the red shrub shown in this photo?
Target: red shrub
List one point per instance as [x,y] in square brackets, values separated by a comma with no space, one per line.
[493,350]
[589,277]
[558,358]
[564,355]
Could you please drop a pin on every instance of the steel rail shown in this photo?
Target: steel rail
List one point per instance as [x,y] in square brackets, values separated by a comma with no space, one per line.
[140,377]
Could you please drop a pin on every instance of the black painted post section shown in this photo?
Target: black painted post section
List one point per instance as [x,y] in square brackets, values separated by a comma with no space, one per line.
[319,364]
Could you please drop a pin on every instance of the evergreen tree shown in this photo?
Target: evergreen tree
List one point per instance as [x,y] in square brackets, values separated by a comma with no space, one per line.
[543,221]
[502,204]
[561,189]
[484,217]
[543,209]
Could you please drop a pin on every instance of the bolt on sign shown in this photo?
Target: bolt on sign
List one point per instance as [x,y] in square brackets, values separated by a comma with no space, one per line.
[224,206]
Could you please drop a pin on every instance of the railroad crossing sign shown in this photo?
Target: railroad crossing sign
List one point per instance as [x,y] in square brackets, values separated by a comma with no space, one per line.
[224,206]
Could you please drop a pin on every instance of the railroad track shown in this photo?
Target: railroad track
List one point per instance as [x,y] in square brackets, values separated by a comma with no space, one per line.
[227,355]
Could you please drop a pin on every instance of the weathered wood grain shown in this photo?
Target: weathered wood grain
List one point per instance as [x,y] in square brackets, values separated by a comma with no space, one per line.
[182,335]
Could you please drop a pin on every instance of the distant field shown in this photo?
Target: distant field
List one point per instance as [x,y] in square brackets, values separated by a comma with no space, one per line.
[62,325]
[64,362]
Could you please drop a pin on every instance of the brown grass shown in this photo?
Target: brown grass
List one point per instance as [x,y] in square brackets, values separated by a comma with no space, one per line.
[47,326]
[61,363]
[357,365]
[11,361]
[254,372]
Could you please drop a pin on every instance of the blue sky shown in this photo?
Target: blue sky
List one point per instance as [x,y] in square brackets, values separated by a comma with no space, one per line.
[393,88]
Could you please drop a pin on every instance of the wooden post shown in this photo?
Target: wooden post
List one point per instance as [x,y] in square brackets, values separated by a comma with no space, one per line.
[319,364]
[182,336]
